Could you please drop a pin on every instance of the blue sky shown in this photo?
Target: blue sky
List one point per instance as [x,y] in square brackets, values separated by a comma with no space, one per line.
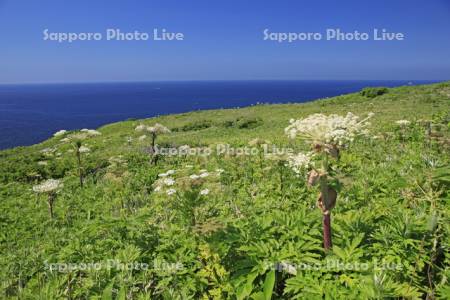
[223,40]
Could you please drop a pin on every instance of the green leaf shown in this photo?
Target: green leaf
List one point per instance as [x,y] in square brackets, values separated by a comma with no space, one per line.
[269,283]
[339,252]
[258,296]
[122,294]
[356,241]
[107,292]
[246,289]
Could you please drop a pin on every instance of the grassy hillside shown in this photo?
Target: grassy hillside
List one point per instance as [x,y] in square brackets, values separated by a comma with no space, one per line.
[248,229]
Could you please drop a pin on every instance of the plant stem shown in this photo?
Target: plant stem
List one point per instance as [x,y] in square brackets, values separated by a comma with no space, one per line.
[153,143]
[51,199]
[280,169]
[154,159]
[80,169]
[327,244]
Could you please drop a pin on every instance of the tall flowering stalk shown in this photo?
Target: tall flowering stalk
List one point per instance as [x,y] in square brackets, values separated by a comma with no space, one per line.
[49,187]
[327,136]
[79,149]
[154,131]
[402,126]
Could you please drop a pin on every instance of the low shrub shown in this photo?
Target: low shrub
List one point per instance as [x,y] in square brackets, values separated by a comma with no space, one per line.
[243,123]
[372,92]
[196,125]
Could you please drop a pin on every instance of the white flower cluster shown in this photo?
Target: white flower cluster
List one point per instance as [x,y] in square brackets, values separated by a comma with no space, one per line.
[300,161]
[171,192]
[170,172]
[320,129]
[91,132]
[84,149]
[48,151]
[203,174]
[140,127]
[155,129]
[61,132]
[48,186]
[166,181]
[403,122]
[83,134]
[169,185]
[158,129]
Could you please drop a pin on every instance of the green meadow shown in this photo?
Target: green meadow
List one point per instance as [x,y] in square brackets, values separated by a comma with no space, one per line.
[226,215]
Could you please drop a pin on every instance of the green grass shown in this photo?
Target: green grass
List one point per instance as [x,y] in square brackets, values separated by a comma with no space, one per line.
[393,207]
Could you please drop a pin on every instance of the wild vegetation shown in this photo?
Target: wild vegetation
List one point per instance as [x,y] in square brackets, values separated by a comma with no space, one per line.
[232,212]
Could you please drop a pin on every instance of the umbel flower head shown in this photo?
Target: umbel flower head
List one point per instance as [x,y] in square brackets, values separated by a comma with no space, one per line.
[300,161]
[155,129]
[140,127]
[331,130]
[158,129]
[91,132]
[185,181]
[403,122]
[84,149]
[204,192]
[48,186]
[61,132]
[84,134]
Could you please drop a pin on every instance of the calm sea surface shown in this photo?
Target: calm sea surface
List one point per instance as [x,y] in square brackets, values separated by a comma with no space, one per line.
[31,113]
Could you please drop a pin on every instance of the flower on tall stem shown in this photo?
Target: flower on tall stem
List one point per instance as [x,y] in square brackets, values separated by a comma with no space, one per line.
[49,187]
[326,135]
[402,125]
[155,130]
[91,132]
[80,149]
[60,133]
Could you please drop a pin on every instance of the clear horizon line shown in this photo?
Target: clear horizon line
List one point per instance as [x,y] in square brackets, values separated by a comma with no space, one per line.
[204,80]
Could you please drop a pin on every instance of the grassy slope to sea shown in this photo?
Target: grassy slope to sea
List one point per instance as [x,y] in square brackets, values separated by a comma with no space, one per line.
[392,213]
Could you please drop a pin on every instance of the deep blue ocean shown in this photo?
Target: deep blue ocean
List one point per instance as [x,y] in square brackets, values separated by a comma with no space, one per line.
[31,113]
